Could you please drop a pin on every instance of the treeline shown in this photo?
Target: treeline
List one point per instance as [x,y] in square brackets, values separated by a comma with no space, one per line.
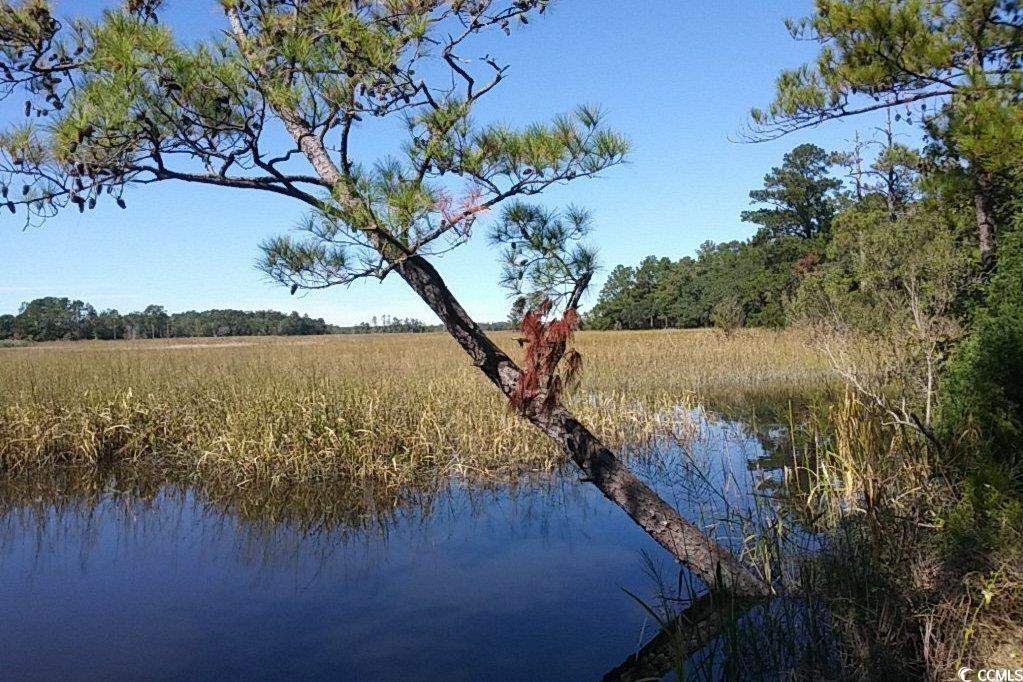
[730,284]
[56,319]
[409,325]
[737,283]
[53,318]
[389,325]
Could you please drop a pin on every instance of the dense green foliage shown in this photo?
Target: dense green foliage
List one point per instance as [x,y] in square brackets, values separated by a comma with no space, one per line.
[961,57]
[735,283]
[728,285]
[985,383]
[918,284]
[801,195]
[888,300]
[52,319]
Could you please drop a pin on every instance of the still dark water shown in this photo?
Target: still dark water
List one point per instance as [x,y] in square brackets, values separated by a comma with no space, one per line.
[526,582]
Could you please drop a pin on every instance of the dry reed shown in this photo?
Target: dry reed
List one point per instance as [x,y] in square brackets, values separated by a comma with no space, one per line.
[380,410]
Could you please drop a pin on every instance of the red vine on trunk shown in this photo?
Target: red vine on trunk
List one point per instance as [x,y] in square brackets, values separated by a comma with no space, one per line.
[546,343]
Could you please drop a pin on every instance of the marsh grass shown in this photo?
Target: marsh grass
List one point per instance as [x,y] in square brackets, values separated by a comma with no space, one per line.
[921,567]
[382,411]
[891,564]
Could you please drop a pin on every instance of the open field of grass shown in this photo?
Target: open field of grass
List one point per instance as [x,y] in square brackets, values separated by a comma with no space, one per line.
[382,410]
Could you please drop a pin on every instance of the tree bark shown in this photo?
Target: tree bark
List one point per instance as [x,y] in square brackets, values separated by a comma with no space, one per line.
[703,555]
[986,232]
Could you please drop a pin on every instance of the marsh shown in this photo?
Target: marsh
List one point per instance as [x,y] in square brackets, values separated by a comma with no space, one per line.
[155,526]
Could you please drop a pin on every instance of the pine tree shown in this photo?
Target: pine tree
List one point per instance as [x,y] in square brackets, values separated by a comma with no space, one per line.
[801,193]
[120,102]
[953,67]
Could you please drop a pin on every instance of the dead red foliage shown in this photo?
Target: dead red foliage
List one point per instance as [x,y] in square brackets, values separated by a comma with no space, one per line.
[806,264]
[462,216]
[546,345]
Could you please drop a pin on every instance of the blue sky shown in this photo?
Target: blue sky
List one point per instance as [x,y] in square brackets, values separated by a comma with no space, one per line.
[677,76]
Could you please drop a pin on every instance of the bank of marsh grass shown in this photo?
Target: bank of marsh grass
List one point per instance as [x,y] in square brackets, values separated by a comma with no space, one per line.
[383,410]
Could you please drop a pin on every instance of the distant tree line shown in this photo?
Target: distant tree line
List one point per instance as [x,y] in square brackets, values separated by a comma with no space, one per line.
[737,283]
[53,318]
[386,324]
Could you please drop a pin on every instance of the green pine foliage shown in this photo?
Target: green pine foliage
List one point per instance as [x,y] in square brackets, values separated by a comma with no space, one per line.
[801,196]
[961,57]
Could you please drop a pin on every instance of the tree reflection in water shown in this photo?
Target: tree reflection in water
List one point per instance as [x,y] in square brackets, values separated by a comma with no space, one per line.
[444,579]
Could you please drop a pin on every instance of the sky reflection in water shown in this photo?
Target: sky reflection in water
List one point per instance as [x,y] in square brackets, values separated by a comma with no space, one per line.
[517,583]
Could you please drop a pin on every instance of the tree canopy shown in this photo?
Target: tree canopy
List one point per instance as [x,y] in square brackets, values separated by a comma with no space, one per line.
[878,54]
[801,193]
[953,67]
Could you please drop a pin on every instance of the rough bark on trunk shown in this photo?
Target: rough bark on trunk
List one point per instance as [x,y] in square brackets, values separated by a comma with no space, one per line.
[704,556]
[986,233]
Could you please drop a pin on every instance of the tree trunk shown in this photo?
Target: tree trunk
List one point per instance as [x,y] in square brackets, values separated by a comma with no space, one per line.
[986,232]
[704,556]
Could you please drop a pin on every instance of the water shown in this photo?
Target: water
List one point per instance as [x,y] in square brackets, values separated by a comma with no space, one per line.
[520,582]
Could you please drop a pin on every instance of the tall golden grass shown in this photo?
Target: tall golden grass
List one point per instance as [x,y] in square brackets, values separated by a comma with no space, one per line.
[383,410]
[338,431]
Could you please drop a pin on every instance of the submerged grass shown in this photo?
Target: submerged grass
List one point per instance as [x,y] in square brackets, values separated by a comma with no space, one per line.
[372,411]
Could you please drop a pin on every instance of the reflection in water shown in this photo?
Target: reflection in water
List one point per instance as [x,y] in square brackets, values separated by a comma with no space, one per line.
[714,638]
[116,576]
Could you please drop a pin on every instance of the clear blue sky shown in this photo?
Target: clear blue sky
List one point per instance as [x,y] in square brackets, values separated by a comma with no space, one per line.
[678,76]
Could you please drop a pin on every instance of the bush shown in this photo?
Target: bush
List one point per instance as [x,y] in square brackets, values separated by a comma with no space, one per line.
[984,390]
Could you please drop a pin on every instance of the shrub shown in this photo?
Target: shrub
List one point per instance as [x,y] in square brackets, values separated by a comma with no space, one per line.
[984,390]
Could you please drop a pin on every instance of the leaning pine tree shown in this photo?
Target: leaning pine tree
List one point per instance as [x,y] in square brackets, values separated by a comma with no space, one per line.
[272,106]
